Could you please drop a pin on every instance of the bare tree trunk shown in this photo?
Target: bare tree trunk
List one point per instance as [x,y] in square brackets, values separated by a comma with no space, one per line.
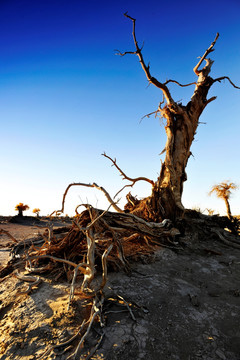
[229,214]
[20,212]
[182,122]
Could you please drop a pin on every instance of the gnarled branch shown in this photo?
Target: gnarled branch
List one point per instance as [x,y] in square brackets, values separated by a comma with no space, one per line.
[176,82]
[208,51]
[94,185]
[146,68]
[226,77]
[125,177]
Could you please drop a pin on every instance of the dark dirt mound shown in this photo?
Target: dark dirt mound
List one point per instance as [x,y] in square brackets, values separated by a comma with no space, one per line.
[24,220]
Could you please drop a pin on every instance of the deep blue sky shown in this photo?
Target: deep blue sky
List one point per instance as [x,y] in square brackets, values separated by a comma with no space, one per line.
[65,97]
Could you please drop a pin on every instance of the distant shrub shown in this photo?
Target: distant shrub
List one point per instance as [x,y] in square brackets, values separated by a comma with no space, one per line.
[36,211]
[20,208]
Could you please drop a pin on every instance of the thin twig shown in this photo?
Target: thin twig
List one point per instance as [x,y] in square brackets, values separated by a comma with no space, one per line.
[128,307]
[95,311]
[94,349]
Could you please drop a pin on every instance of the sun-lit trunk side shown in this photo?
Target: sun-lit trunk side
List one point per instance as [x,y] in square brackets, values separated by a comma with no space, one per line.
[229,214]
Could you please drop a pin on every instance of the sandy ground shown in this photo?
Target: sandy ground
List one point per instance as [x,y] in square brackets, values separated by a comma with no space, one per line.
[186,306]
[21,232]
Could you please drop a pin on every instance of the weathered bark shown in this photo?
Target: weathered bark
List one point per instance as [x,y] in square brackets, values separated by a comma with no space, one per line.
[182,123]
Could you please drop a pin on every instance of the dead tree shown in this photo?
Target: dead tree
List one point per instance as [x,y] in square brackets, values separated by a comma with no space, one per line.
[181,125]
[223,191]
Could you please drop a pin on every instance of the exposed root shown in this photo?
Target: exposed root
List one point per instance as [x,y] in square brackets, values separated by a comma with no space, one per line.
[65,343]
[34,281]
[95,311]
[98,239]
[231,242]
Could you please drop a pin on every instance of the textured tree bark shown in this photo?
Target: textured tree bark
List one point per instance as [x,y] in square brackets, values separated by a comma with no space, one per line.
[182,123]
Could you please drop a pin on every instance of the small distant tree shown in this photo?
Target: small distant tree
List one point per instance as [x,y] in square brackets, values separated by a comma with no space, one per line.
[36,211]
[20,208]
[223,191]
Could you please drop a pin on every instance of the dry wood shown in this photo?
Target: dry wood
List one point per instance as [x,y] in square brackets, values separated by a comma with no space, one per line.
[95,311]
[89,275]
[125,177]
[48,351]
[94,185]
[34,281]
[104,266]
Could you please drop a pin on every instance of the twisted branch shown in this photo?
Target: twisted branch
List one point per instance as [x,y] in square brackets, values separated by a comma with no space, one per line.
[125,177]
[226,77]
[94,185]
[208,51]
[176,82]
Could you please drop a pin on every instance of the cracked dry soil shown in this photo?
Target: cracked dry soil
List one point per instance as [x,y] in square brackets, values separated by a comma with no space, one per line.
[186,306]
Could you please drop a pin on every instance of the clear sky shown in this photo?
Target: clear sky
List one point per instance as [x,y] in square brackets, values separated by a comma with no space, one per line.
[65,98]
